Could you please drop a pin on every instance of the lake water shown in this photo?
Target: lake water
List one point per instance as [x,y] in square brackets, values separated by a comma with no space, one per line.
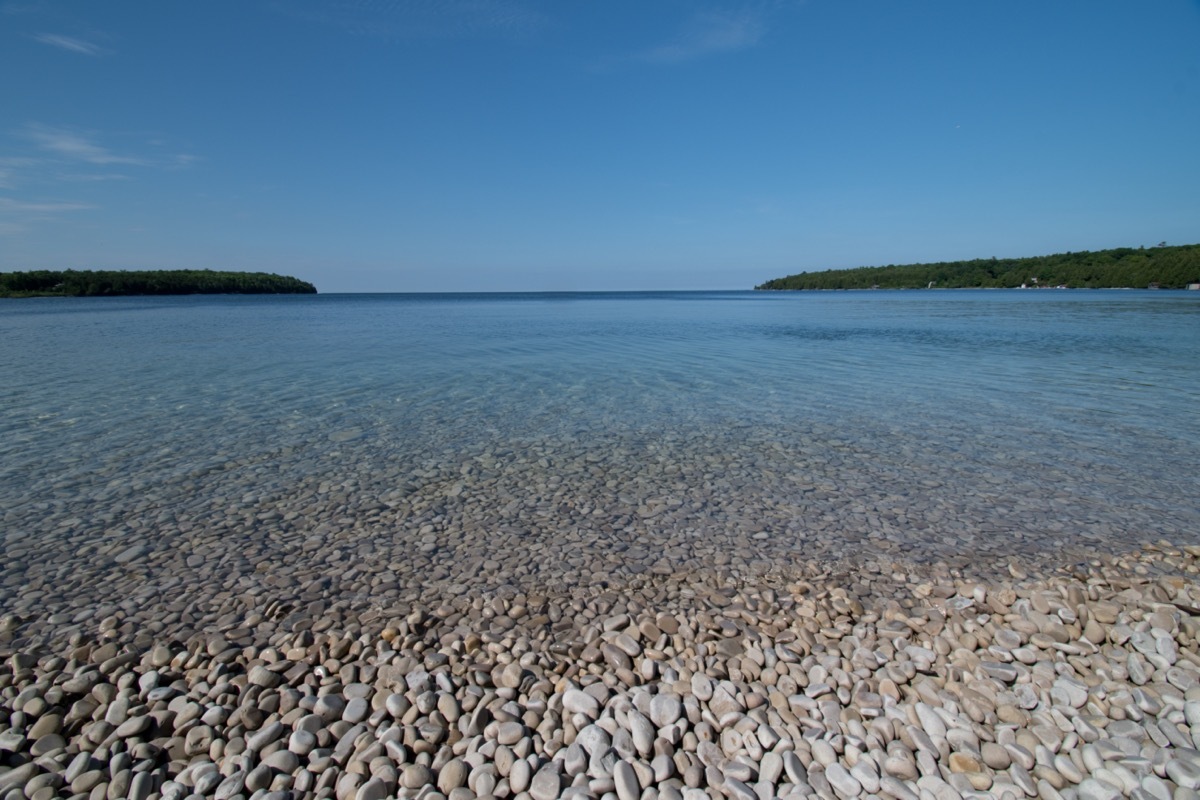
[462,443]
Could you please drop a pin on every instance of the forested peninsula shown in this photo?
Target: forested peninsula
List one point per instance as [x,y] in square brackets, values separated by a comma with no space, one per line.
[111,283]
[1160,267]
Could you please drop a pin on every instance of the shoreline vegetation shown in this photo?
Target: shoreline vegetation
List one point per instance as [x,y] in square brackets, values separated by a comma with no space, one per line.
[116,283]
[1161,267]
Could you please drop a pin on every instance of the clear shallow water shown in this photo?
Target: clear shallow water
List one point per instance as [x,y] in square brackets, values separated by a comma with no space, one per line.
[644,432]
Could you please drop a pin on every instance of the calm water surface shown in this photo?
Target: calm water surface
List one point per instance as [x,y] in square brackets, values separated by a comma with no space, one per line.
[909,423]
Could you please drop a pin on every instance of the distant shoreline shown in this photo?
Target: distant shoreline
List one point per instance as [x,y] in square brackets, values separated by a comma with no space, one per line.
[1160,267]
[1037,289]
[145,283]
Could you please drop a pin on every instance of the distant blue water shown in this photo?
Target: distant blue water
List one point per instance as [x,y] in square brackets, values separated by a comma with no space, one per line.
[1060,417]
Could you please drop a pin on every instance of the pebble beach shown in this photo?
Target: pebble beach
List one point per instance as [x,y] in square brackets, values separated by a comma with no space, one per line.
[750,559]
[1080,683]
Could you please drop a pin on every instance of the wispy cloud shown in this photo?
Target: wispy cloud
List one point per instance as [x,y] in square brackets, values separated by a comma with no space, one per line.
[96,177]
[18,216]
[48,162]
[77,146]
[706,34]
[70,154]
[9,205]
[402,19]
[11,169]
[70,43]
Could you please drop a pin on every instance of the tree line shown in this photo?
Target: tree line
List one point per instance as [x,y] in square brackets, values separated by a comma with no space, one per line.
[1121,268]
[107,283]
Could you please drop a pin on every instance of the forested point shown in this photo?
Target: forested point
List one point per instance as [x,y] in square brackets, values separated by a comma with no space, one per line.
[1160,267]
[112,283]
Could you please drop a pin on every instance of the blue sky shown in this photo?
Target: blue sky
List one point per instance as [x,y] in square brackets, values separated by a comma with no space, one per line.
[458,145]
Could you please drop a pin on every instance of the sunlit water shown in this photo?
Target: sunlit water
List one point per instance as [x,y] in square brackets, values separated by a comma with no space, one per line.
[907,424]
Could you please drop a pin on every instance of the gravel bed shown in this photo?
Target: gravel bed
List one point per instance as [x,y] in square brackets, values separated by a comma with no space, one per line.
[838,681]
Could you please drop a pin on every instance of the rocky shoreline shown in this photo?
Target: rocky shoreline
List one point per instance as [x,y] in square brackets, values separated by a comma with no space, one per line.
[1081,682]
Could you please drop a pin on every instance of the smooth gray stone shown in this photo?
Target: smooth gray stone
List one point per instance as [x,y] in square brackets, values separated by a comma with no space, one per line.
[770,768]
[259,778]
[1176,737]
[842,781]
[1185,773]
[578,702]
[12,742]
[215,716]
[373,789]
[1146,701]
[626,781]
[1000,671]
[521,774]
[510,733]
[722,703]
[130,553]
[230,786]
[593,739]
[80,764]
[142,786]
[616,658]
[161,693]
[1156,787]
[796,773]
[172,791]
[738,771]
[665,709]
[261,676]
[738,790]
[47,724]
[261,738]
[897,788]
[134,726]
[345,744]
[18,777]
[643,733]
[574,760]
[329,707]
[545,784]
[622,742]
[1189,754]
[1069,692]
[207,782]
[283,760]
[1137,670]
[817,780]
[602,764]
[415,776]
[1066,767]
[302,742]
[931,723]
[397,705]
[47,744]
[1092,789]
[865,773]
[663,767]
[356,710]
